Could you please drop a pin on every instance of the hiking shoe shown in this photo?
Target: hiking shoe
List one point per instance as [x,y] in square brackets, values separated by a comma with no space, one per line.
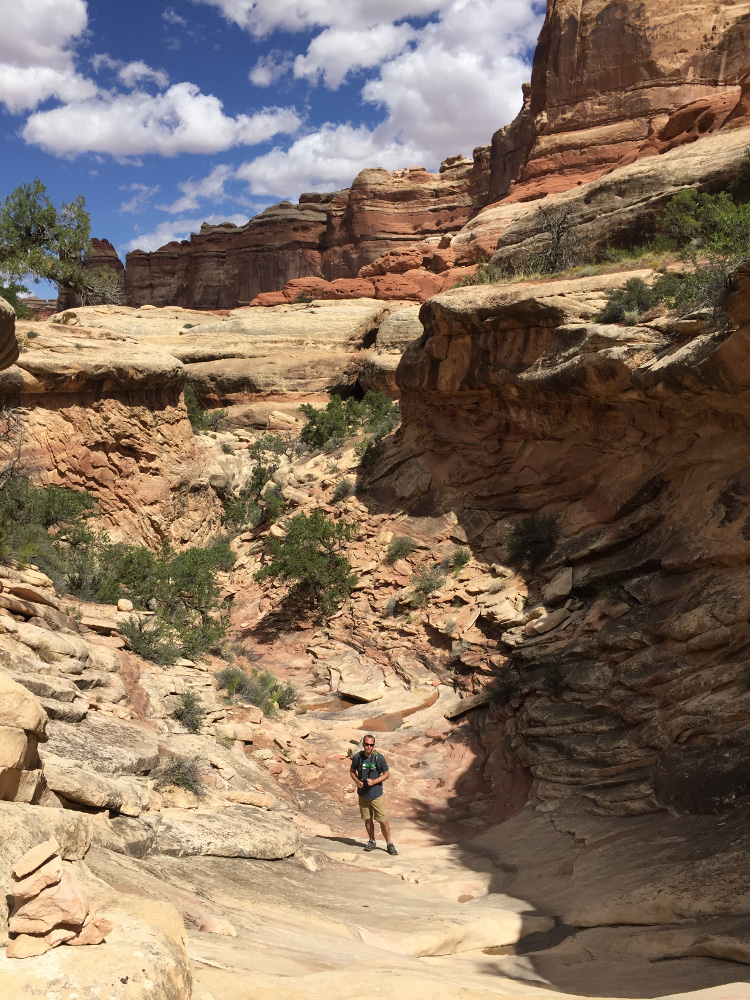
[370,845]
[391,849]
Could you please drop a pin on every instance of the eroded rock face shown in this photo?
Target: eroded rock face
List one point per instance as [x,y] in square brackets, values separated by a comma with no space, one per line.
[615,81]
[515,401]
[325,235]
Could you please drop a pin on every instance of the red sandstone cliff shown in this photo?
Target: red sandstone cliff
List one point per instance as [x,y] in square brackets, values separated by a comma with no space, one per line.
[612,82]
[325,235]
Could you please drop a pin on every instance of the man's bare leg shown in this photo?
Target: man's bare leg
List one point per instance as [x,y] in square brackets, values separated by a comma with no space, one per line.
[370,827]
[385,829]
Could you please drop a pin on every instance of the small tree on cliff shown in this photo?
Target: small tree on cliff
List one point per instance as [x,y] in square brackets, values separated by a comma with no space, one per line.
[45,243]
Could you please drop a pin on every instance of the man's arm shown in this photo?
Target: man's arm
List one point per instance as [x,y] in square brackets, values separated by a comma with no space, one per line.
[355,777]
[377,781]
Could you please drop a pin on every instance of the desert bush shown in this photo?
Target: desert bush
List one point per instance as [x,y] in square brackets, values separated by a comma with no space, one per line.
[425,582]
[227,449]
[486,273]
[200,419]
[310,555]
[273,443]
[456,560]
[259,688]
[152,639]
[554,679]
[375,413]
[182,772]
[562,248]
[504,688]
[190,711]
[45,653]
[459,648]
[631,301]
[399,547]
[532,539]
[343,490]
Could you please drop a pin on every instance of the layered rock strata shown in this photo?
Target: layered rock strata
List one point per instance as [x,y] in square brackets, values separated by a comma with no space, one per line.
[325,235]
[516,401]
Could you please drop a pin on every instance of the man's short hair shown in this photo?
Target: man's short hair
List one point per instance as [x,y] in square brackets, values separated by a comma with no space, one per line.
[368,736]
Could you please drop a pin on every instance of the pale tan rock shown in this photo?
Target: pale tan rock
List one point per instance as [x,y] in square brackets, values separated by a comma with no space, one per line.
[28,946]
[35,858]
[64,903]
[124,605]
[15,747]
[20,709]
[49,874]
[251,798]
[20,785]
[96,931]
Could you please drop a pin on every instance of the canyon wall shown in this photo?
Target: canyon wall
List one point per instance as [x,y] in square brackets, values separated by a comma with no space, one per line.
[635,697]
[608,80]
[612,82]
[325,235]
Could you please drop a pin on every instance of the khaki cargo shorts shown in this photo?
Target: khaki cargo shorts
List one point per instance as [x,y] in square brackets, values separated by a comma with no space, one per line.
[372,808]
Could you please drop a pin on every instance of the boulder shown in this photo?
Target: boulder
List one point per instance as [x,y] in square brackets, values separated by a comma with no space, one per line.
[108,745]
[65,903]
[76,782]
[20,709]
[241,833]
[359,677]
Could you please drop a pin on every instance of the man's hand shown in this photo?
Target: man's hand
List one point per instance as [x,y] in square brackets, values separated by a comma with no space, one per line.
[360,784]
[369,782]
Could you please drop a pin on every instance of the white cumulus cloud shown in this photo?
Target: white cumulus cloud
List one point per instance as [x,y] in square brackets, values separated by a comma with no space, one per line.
[327,159]
[270,67]
[261,17]
[134,72]
[141,195]
[210,188]
[336,51]
[446,90]
[180,120]
[36,53]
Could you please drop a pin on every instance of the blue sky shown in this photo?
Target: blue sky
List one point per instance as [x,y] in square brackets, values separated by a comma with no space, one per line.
[165,114]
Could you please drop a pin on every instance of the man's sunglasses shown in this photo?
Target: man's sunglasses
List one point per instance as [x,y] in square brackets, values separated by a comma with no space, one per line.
[368,744]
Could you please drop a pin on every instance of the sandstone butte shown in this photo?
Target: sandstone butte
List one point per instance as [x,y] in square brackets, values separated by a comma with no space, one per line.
[612,83]
[567,744]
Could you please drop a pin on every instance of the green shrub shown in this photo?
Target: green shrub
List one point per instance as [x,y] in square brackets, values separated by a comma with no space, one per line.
[152,639]
[504,689]
[368,452]
[190,711]
[273,443]
[425,582]
[456,560]
[182,772]
[459,648]
[532,539]
[391,607]
[631,301]
[554,679]
[343,490]
[45,653]
[375,413]
[201,420]
[227,449]
[310,556]
[399,548]
[11,293]
[486,273]
[259,687]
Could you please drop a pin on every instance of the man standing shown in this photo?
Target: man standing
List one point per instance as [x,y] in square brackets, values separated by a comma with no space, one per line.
[368,771]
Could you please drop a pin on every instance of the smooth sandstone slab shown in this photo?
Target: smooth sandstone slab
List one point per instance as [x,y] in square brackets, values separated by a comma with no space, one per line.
[34,858]
[20,709]
[242,833]
[100,791]
[16,748]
